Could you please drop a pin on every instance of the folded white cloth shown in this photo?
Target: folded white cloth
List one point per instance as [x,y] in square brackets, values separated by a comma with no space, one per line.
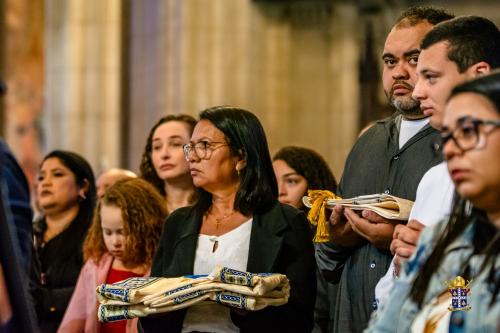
[139,297]
[385,205]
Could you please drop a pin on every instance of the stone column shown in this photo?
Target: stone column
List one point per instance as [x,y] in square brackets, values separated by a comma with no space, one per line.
[83,73]
[294,65]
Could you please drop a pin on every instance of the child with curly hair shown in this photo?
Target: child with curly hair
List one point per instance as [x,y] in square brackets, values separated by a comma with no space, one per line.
[121,244]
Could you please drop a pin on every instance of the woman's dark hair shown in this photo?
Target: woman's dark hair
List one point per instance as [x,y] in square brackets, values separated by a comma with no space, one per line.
[258,190]
[310,165]
[147,169]
[462,215]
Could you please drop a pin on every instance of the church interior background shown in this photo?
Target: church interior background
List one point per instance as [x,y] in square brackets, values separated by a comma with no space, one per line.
[93,76]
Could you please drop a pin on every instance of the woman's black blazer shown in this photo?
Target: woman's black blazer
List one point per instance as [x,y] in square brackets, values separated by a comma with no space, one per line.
[280,242]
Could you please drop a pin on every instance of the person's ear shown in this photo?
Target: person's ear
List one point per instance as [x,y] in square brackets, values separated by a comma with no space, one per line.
[242,161]
[84,188]
[479,68]
[240,165]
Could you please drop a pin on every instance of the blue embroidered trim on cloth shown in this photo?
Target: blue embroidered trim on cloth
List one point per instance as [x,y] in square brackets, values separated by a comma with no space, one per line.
[231,299]
[232,276]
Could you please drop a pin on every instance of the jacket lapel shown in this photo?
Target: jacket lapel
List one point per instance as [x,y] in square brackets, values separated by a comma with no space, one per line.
[266,240]
[185,246]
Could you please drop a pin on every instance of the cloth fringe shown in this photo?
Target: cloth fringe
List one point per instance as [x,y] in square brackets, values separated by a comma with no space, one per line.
[317,214]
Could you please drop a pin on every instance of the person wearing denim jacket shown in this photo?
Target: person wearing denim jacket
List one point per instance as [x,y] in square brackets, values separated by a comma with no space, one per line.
[400,310]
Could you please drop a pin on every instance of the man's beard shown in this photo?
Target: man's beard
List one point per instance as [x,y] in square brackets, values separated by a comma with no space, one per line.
[406,105]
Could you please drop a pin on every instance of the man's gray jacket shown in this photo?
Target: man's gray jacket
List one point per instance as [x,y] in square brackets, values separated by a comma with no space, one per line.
[374,165]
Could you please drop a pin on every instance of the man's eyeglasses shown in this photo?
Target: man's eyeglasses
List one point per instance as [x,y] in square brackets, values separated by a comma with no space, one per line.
[202,149]
[466,136]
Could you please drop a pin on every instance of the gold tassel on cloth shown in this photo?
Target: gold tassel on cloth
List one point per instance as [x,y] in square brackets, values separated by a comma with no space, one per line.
[317,215]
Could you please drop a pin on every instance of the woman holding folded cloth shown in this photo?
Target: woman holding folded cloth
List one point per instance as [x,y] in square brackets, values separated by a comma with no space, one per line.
[237,222]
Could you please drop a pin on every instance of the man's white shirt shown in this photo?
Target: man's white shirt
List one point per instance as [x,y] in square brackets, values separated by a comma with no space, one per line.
[432,204]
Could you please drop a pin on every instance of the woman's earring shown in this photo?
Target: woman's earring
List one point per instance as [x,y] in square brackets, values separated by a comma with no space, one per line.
[82,196]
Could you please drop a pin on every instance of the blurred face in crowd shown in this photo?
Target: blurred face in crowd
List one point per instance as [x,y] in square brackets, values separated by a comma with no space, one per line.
[113,230]
[437,76]
[292,186]
[400,57]
[110,177]
[474,162]
[212,164]
[167,156]
[57,189]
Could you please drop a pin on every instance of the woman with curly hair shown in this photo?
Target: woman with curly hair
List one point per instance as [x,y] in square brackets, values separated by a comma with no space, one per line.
[163,163]
[121,243]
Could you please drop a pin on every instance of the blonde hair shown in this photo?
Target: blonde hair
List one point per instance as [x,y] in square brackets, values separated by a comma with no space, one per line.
[143,213]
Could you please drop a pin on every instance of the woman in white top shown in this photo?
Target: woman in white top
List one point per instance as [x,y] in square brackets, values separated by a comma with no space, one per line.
[237,222]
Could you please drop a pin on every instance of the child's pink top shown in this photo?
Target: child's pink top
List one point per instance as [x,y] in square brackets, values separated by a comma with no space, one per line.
[81,314]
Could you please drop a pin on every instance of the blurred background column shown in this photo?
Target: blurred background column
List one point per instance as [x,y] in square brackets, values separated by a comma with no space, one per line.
[82,110]
[294,64]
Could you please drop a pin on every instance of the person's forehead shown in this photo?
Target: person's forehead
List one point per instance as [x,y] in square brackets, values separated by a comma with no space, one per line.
[113,216]
[468,104]
[434,57]
[170,128]
[205,129]
[402,39]
[54,162]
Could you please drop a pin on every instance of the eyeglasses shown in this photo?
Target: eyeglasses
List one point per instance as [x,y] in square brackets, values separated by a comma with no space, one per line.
[466,136]
[203,149]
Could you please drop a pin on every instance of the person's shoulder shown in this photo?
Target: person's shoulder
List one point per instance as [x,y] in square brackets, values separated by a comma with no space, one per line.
[439,169]
[178,218]
[287,211]
[7,154]
[3,147]
[92,265]
[283,216]
[431,232]
[378,129]
[436,176]
[180,213]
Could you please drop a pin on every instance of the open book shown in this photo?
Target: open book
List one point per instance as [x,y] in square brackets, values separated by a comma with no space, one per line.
[385,205]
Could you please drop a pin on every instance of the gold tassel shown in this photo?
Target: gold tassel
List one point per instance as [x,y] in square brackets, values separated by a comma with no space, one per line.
[317,215]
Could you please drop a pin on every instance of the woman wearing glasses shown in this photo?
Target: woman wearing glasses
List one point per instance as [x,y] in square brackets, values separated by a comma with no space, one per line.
[163,163]
[237,222]
[452,282]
